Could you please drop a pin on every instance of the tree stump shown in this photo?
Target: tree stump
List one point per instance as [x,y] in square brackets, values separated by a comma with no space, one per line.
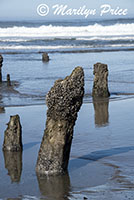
[13,135]
[1,61]
[45,57]
[100,85]
[64,101]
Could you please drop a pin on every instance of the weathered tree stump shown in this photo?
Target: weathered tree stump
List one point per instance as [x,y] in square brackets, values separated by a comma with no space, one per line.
[2,109]
[45,57]
[1,61]
[64,101]
[13,135]
[100,85]
[8,80]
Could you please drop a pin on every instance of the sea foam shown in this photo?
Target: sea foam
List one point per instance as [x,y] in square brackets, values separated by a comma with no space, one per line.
[68,31]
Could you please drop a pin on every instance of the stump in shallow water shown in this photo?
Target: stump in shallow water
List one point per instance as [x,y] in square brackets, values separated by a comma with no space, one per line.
[2,109]
[45,57]
[8,80]
[64,101]
[13,135]
[1,61]
[100,86]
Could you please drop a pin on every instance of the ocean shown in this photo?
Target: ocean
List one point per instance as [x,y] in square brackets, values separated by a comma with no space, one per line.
[89,36]
[69,44]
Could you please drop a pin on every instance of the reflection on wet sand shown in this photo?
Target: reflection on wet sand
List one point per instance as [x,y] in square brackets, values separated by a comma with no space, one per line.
[13,163]
[101,111]
[54,187]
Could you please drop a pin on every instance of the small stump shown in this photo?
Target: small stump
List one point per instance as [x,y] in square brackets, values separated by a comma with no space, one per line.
[1,61]
[13,135]
[8,80]
[2,109]
[100,85]
[45,57]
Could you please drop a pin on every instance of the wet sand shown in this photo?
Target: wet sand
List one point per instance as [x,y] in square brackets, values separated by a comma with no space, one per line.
[101,164]
[35,78]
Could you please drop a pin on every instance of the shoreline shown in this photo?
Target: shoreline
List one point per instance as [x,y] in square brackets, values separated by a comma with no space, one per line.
[115,97]
[68,51]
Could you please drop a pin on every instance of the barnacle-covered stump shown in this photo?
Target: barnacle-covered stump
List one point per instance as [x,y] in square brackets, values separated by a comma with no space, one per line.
[13,135]
[64,101]
[100,86]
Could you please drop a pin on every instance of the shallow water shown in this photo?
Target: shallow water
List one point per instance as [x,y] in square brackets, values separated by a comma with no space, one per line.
[101,163]
[34,78]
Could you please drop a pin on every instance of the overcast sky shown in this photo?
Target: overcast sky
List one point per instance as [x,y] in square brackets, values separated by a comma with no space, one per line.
[26,9]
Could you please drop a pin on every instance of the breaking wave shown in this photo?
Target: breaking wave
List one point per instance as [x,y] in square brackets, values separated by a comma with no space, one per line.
[69,31]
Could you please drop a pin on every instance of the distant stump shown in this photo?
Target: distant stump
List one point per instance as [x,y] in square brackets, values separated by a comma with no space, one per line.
[45,57]
[1,61]
[100,85]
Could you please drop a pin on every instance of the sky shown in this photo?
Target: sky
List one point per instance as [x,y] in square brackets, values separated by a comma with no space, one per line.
[27,9]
